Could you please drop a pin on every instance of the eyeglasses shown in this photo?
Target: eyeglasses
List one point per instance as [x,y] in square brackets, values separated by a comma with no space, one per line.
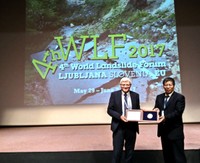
[125,85]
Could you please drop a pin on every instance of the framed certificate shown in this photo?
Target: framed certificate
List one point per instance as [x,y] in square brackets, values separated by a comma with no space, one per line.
[141,115]
[134,115]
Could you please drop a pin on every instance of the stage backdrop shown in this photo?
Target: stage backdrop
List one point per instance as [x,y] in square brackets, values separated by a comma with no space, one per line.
[76,52]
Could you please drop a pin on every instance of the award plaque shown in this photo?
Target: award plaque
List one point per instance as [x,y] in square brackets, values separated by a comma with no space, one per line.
[141,115]
[150,116]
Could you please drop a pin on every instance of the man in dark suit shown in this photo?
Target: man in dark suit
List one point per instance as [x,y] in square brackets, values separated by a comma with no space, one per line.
[171,106]
[124,132]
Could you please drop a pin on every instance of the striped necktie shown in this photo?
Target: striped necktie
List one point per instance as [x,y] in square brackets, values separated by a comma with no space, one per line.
[125,103]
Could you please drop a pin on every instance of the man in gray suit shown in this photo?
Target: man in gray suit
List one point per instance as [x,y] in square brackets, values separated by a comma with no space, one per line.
[171,105]
[124,132]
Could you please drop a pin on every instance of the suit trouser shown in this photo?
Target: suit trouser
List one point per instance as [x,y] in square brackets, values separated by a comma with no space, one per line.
[123,136]
[173,150]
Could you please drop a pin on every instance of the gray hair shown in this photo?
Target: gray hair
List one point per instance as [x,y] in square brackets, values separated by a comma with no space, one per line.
[125,79]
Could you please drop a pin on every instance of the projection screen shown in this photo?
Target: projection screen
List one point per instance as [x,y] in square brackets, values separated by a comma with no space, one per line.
[84,60]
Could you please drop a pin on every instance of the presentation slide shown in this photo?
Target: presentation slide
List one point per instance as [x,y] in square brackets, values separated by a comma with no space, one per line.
[77,51]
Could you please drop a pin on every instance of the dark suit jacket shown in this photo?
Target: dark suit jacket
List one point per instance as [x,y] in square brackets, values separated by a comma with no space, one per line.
[115,109]
[173,125]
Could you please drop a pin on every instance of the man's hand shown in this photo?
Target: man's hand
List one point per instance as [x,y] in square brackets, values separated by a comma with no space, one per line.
[123,118]
[161,119]
[156,109]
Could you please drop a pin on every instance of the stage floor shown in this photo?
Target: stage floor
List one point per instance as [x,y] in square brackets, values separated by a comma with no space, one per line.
[83,138]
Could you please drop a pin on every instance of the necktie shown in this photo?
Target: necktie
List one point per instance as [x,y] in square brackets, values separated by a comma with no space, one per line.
[165,101]
[125,103]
